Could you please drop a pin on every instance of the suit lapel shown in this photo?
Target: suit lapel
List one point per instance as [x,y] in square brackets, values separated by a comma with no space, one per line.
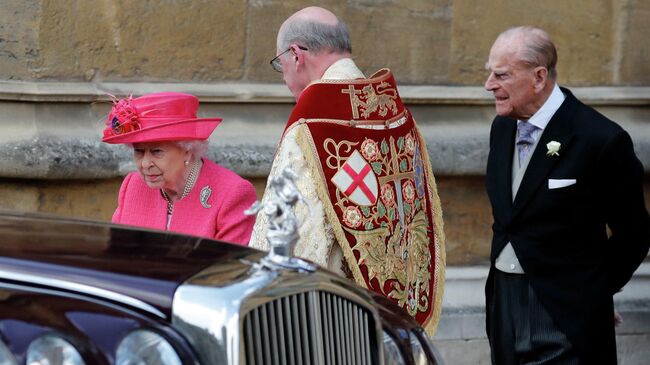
[559,129]
[502,147]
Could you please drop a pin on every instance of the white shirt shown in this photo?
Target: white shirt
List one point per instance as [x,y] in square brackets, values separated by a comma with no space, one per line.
[541,117]
[507,260]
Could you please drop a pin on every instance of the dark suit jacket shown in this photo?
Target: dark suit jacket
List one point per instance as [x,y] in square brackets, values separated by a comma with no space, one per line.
[560,235]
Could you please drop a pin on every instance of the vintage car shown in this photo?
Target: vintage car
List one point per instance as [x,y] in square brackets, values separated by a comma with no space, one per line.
[79,292]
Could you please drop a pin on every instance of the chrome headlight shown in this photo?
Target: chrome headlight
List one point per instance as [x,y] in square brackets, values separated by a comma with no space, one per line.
[52,350]
[6,358]
[420,343]
[392,353]
[146,347]
[419,354]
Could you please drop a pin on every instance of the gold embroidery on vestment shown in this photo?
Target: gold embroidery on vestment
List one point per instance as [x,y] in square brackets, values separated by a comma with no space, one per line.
[334,160]
[370,99]
[388,248]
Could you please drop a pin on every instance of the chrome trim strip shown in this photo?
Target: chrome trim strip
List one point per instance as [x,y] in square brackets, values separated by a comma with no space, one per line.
[295,322]
[274,335]
[250,354]
[330,328]
[264,324]
[81,289]
[258,345]
[306,343]
[338,314]
[317,328]
[367,335]
[287,313]
[278,311]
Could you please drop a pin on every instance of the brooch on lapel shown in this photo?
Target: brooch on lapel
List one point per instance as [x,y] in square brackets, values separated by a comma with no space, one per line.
[552,148]
[205,195]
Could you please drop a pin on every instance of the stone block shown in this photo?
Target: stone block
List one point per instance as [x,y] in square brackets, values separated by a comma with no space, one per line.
[467,218]
[85,199]
[263,21]
[17,123]
[633,49]
[461,325]
[19,48]
[410,37]
[17,196]
[633,349]
[636,321]
[464,352]
[162,40]
[581,31]
[260,186]
[92,199]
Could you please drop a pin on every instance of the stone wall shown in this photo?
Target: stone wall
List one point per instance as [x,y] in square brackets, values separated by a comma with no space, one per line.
[600,42]
[60,58]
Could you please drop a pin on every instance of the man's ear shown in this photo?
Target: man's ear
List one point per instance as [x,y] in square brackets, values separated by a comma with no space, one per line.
[298,56]
[541,77]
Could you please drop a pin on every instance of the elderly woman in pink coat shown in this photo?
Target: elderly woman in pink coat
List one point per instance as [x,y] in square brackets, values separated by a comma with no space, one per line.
[176,188]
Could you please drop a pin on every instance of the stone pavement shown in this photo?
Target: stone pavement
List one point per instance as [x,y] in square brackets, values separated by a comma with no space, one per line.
[461,335]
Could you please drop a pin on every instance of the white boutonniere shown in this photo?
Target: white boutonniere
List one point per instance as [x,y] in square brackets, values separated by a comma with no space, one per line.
[552,148]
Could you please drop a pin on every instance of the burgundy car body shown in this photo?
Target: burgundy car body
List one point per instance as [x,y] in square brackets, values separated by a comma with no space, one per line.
[93,283]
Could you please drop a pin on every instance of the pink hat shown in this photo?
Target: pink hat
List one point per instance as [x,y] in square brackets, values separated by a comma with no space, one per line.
[157,117]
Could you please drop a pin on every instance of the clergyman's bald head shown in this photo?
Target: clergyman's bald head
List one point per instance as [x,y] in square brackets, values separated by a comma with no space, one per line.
[315,28]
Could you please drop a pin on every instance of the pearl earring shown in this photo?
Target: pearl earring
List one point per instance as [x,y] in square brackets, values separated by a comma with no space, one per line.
[187,163]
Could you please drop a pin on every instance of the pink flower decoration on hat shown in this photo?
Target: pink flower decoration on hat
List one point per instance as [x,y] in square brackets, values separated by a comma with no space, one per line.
[125,117]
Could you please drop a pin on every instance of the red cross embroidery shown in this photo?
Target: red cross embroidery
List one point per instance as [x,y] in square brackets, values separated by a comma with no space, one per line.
[357,181]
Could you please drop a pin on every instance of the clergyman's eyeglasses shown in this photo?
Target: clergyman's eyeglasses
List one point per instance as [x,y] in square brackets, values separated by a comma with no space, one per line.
[275,62]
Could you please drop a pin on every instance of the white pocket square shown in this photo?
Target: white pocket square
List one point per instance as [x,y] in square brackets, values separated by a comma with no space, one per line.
[560,183]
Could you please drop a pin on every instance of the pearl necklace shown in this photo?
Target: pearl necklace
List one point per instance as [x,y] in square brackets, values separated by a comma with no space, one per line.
[189,184]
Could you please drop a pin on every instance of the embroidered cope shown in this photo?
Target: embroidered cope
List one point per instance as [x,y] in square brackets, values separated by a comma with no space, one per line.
[374,213]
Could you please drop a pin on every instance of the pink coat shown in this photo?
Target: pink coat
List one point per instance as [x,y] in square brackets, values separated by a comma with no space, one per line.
[142,206]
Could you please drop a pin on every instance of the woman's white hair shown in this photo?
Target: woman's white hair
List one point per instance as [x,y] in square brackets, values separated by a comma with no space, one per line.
[197,148]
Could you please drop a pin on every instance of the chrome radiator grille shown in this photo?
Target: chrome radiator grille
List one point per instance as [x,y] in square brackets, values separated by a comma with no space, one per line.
[314,327]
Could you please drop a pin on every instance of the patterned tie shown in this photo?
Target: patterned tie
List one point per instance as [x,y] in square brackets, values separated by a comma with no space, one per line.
[525,139]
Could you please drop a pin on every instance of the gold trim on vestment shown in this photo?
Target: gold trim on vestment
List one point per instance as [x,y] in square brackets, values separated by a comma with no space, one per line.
[439,237]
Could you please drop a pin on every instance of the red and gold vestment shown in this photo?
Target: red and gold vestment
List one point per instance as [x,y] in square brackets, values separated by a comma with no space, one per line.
[363,166]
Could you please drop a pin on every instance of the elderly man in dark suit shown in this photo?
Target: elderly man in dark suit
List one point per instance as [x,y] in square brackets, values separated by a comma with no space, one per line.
[558,174]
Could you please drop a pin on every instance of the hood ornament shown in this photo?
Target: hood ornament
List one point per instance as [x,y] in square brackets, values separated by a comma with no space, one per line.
[282,235]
